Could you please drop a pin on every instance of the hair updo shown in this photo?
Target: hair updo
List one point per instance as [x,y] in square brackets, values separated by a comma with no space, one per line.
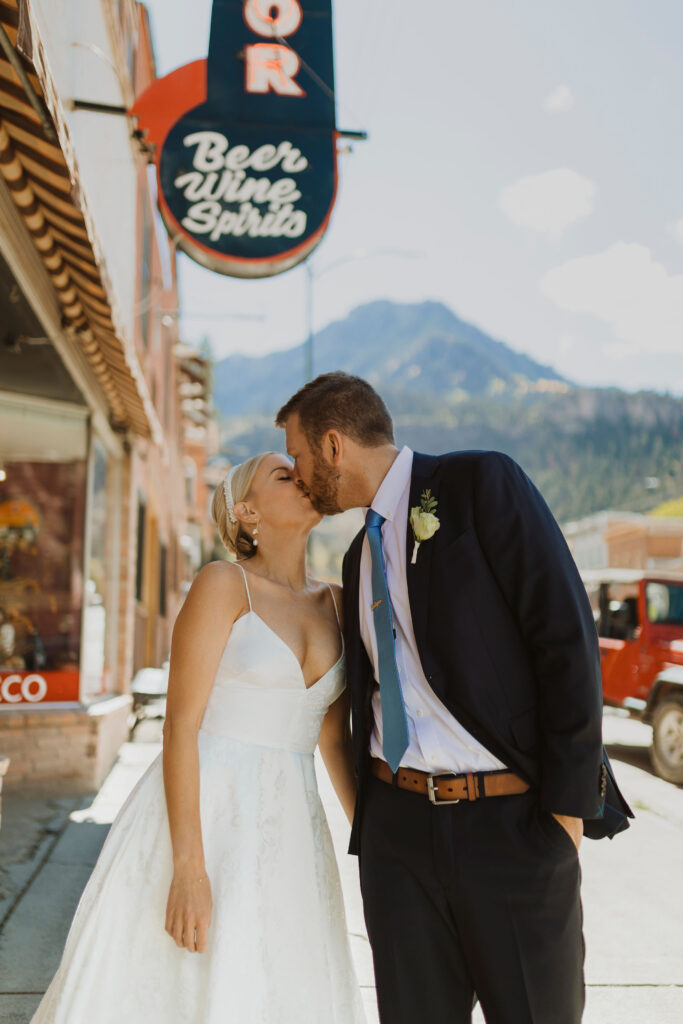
[236,539]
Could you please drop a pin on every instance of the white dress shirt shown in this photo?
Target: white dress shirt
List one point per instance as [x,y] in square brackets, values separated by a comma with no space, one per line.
[437,742]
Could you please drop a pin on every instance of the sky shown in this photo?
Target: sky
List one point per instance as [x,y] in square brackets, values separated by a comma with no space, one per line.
[524,166]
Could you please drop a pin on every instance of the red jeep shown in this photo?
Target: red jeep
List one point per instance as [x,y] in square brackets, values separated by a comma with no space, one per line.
[639,618]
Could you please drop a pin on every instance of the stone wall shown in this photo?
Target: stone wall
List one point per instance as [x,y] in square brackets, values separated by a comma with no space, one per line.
[70,750]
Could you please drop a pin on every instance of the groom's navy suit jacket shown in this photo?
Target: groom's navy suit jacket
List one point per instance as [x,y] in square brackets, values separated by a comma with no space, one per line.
[505,634]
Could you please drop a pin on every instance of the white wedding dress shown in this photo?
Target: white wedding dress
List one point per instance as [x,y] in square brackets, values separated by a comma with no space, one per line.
[278,950]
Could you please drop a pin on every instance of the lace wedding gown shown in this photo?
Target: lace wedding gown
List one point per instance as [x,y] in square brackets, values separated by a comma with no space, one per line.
[277,950]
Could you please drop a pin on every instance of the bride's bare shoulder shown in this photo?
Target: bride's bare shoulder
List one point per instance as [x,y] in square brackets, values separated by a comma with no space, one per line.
[220,569]
[217,587]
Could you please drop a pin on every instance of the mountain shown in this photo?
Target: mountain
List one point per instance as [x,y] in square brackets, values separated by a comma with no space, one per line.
[420,349]
[449,386]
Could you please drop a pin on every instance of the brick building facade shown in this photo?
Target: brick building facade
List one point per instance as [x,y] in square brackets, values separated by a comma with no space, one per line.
[626,540]
[96,533]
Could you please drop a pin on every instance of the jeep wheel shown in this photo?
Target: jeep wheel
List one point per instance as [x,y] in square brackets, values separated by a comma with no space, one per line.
[667,739]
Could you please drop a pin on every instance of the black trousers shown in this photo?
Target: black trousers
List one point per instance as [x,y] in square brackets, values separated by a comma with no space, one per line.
[471,900]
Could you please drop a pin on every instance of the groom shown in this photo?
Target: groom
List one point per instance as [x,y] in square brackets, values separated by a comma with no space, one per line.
[474,671]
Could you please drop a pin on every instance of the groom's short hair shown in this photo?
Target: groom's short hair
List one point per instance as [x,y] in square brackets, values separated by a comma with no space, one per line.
[340,401]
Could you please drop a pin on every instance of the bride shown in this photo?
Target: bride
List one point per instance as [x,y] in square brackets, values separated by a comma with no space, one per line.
[216,896]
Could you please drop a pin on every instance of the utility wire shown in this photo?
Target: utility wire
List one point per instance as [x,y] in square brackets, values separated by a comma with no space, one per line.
[329,92]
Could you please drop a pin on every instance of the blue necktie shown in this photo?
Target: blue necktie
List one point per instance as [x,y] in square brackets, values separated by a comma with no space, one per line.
[394,724]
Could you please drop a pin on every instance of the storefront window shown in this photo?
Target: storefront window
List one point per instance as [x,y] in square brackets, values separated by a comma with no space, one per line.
[42,518]
[100,604]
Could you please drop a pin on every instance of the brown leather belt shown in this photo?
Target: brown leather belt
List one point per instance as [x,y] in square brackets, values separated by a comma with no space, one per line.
[450,788]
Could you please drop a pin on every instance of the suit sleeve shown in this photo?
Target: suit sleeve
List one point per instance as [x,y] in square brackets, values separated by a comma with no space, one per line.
[530,559]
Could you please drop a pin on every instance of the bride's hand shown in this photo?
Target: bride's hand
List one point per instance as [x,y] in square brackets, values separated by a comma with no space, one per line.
[188,911]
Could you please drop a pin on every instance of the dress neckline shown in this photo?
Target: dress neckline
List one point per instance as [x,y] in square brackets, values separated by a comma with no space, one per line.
[286,646]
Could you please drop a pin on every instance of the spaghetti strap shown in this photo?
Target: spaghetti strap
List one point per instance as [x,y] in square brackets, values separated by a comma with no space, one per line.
[241,569]
[334,602]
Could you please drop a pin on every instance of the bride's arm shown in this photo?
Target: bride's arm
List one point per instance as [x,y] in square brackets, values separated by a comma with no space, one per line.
[337,752]
[335,741]
[199,636]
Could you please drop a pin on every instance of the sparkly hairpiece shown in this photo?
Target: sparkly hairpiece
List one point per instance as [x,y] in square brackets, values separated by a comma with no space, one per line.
[227,491]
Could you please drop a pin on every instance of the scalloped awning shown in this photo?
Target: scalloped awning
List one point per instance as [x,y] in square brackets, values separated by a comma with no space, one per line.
[39,168]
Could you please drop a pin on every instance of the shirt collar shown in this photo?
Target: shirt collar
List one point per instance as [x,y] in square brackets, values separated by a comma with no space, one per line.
[394,484]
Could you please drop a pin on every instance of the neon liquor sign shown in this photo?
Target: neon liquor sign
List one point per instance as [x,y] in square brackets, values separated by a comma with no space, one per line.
[245,141]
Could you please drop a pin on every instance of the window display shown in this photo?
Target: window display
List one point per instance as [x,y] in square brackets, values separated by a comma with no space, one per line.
[42,518]
[41,545]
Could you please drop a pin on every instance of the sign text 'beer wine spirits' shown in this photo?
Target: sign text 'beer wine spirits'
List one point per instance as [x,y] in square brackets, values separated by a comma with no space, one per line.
[245,141]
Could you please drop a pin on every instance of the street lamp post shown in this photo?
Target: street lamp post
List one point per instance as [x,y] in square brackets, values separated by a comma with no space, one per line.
[312,276]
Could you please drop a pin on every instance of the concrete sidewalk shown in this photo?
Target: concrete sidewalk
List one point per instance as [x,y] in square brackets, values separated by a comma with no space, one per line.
[48,847]
[633,898]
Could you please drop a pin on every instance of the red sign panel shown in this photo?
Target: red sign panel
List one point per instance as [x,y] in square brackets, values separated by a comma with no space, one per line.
[31,688]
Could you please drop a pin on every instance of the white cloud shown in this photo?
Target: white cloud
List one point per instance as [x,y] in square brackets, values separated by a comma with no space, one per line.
[676,229]
[567,343]
[559,100]
[548,202]
[627,289]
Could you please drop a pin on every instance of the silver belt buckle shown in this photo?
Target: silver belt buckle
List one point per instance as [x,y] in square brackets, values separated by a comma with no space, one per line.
[433,796]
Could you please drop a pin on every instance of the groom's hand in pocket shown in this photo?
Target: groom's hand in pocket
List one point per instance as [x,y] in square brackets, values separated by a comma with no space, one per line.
[574,826]
[188,911]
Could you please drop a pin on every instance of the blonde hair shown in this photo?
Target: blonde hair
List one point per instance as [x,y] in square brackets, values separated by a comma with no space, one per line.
[233,535]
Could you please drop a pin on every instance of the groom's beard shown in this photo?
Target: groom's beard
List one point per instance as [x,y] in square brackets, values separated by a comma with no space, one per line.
[324,490]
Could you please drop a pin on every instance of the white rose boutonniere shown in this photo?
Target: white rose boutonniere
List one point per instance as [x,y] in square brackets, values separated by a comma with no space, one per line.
[423,521]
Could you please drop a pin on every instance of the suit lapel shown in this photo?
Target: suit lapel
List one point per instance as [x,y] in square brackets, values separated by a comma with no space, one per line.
[418,574]
[359,670]
[351,607]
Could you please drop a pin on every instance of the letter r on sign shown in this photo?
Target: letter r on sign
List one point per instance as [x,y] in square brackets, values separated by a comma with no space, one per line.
[272,67]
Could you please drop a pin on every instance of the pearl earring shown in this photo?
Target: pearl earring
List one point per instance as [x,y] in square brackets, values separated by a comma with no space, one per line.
[254,532]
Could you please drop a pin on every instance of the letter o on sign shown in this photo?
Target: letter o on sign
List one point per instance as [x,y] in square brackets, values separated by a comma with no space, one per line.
[31,688]
[38,693]
[258,15]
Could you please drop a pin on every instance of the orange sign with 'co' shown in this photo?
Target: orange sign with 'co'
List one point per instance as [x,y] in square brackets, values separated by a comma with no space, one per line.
[31,688]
